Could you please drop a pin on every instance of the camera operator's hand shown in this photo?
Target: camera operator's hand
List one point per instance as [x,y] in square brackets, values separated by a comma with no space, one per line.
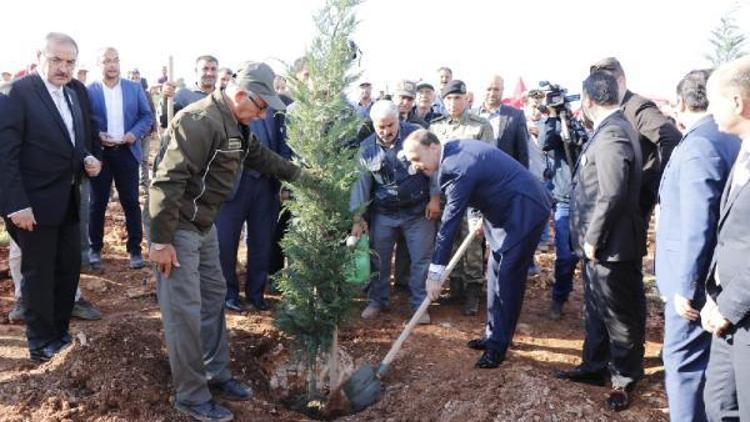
[552,112]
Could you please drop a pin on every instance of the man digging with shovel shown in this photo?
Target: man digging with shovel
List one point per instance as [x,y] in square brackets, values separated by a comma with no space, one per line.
[514,208]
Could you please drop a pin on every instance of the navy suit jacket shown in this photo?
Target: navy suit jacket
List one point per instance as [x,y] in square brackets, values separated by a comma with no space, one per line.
[478,175]
[38,162]
[690,194]
[513,139]
[136,112]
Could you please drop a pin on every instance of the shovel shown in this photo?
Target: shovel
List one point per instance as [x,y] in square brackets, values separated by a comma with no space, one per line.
[364,387]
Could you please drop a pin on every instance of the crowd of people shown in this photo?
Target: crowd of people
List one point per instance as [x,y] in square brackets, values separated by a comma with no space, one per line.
[435,170]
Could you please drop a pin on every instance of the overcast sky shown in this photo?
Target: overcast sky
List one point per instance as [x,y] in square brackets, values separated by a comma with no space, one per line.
[657,41]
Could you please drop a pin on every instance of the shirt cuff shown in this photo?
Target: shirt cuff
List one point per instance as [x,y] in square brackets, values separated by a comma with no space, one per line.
[21,210]
[435,272]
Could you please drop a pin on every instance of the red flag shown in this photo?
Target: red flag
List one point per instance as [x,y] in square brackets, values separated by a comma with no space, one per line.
[517,99]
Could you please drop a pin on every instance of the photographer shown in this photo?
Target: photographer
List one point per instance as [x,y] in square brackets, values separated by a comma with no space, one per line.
[562,154]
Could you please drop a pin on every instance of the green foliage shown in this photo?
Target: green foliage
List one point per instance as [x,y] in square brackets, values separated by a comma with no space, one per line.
[316,297]
[727,42]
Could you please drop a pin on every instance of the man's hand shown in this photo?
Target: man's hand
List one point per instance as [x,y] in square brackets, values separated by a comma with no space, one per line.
[359,227]
[589,251]
[107,140]
[92,166]
[129,138]
[433,285]
[712,320]
[168,89]
[684,308]
[433,208]
[24,219]
[165,258]
[533,128]
[476,226]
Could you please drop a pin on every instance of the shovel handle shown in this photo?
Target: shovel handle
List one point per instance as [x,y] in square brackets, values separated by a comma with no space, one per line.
[383,368]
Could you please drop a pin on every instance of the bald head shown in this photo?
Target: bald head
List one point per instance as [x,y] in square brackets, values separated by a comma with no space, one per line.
[729,97]
[493,94]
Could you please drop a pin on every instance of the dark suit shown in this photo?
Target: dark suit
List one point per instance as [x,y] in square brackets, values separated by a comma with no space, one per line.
[604,212]
[727,391]
[254,202]
[41,168]
[515,207]
[657,137]
[511,135]
[689,195]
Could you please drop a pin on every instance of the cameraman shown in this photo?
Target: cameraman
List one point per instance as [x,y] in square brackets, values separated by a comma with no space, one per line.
[560,172]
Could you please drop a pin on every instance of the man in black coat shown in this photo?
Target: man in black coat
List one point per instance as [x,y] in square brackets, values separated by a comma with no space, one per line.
[656,134]
[508,123]
[43,155]
[607,230]
[727,310]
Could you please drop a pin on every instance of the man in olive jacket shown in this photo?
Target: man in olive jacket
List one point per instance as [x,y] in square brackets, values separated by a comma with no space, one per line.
[206,145]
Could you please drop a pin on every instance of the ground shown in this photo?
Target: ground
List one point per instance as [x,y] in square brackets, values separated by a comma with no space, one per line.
[117,369]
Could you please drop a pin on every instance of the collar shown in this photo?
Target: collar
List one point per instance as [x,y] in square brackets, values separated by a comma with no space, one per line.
[459,119]
[115,86]
[483,109]
[52,88]
[197,88]
[396,141]
[698,123]
[606,116]
[231,124]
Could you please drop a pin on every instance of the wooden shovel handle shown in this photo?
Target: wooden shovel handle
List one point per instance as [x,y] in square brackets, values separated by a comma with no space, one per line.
[423,307]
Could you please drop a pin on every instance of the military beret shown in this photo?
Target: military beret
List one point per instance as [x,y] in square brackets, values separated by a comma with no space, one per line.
[453,87]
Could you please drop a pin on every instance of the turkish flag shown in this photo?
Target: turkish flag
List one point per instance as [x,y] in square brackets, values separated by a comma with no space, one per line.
[517,99]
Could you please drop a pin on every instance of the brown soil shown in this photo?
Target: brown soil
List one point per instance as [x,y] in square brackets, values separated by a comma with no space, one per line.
[117,369]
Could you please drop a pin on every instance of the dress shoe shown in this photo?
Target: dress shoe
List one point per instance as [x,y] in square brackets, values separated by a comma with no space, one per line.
[233,390]
[583,376]
[477,343]
[234,304]
[260,305]
[555,310]
[95,261]
[43,354]
[209,411]
[84,310]
[618,399]
[371,311]
[490,359]
[472,295]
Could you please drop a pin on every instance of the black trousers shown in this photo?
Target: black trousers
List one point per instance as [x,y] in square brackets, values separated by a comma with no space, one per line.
[727,391]
[615,318]
[50,266]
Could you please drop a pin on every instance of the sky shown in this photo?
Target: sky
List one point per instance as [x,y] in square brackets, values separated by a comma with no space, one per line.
[657,41]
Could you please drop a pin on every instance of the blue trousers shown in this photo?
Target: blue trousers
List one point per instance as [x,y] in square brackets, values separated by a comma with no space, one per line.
[419,233]
[256,203]
[506,284]
[565,258]
[686,351]
[120,166]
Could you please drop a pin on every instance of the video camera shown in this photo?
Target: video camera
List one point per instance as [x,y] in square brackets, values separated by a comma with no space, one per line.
[573,133]
[555,96]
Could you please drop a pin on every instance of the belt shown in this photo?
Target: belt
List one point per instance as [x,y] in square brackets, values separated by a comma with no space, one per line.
[113,148]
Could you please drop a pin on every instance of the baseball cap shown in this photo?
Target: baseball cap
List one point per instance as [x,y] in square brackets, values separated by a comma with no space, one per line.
[425,84]
[453,87]
[258,78]
[406,88]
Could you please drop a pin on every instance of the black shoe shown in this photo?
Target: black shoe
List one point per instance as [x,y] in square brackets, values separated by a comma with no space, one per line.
[583,376]
[260,305]
[618,399]
[235,305]
[209,411]
[490,359]
[556,310]
[477,343]
[471,299]
[233,390]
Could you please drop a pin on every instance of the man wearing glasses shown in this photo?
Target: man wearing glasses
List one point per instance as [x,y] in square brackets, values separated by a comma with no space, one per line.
[200,157]
[43,156]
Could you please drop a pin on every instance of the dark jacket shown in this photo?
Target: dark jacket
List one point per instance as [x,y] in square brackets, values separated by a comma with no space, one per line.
[604,209]
[552,143]
[38,161]
[730,263]
[657,137]
[197,167]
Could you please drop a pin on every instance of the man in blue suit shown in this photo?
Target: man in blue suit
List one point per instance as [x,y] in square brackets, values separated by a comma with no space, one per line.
[514,208]
[123,116]
[256,203]
[690,194]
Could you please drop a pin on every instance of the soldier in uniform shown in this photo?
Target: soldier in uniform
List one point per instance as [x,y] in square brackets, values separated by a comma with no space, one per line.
[460,123]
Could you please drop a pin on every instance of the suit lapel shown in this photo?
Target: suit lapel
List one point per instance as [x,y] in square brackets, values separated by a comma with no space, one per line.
[502,121]
[75,109]
[125,100]
[44,95]
[730,195]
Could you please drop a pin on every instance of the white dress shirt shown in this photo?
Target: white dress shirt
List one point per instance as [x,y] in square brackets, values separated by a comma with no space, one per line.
[115,118]
[58,97]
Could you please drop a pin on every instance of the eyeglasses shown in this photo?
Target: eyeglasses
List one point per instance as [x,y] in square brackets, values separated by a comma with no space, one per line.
[260,109]
[58,62]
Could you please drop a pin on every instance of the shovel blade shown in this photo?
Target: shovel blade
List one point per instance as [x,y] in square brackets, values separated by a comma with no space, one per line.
[363,388]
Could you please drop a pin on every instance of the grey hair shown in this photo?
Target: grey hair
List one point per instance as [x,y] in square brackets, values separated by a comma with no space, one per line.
[383,109]
[59,37]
